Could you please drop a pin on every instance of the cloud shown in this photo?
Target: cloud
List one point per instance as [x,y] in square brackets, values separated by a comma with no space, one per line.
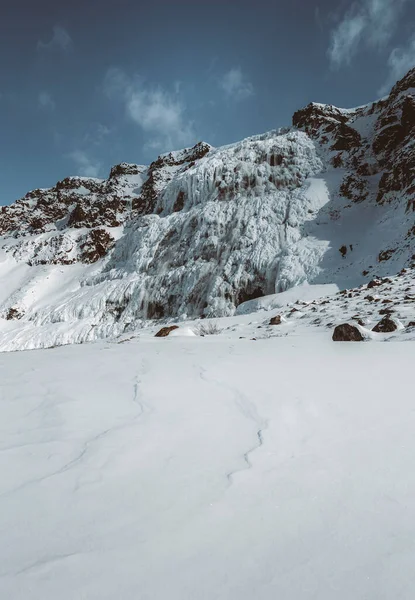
[96,134]
[87,166]
[345,39]
[400,61]
[235,86]
[159,113]
[61,40]
[369,23]
[45,101]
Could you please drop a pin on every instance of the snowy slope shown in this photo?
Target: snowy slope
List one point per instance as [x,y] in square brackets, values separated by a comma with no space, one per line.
[231,476]
[202,230]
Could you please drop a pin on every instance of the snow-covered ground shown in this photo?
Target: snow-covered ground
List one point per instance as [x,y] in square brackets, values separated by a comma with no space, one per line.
[303,309]
[208,468]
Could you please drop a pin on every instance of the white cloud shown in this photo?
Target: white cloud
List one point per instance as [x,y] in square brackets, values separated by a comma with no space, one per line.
[45,101]
[87,166]
[369,23]
[235,85]
[159,113]
[61,40]
[400,61]
[345,39]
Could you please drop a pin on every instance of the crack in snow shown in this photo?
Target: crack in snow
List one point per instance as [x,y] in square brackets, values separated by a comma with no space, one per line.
[249,410]
[42,563]
[229,476]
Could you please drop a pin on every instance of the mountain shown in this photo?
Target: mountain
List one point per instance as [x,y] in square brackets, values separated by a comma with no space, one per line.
[200,231]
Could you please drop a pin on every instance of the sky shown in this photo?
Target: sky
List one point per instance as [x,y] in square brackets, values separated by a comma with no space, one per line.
[90,83]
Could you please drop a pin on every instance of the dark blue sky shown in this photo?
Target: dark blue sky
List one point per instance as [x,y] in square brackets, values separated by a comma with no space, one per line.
[87,84]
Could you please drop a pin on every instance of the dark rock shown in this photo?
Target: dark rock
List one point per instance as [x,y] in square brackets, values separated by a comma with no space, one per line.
[386,325]
[386,311]
[354,188]
[388,139]
[343,251]
[275,320]
[249,293]
[275,160]
[165,331]
[96,245]
[77,217]
[347,333]
[385,255]
[411,324]
[124,169]
[374,283]
[13,313]
[347,138]
[155,310]
[179,204]
[37,225]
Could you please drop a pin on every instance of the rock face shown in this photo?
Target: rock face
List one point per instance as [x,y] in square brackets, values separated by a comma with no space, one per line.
[202,230]
[347,333]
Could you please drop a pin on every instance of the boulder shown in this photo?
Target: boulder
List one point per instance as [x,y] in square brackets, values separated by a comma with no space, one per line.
[386,325]
[165,331]
[275,320]
[347,333]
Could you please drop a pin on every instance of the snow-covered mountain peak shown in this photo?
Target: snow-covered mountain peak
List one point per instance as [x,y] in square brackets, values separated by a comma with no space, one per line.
[202,230]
